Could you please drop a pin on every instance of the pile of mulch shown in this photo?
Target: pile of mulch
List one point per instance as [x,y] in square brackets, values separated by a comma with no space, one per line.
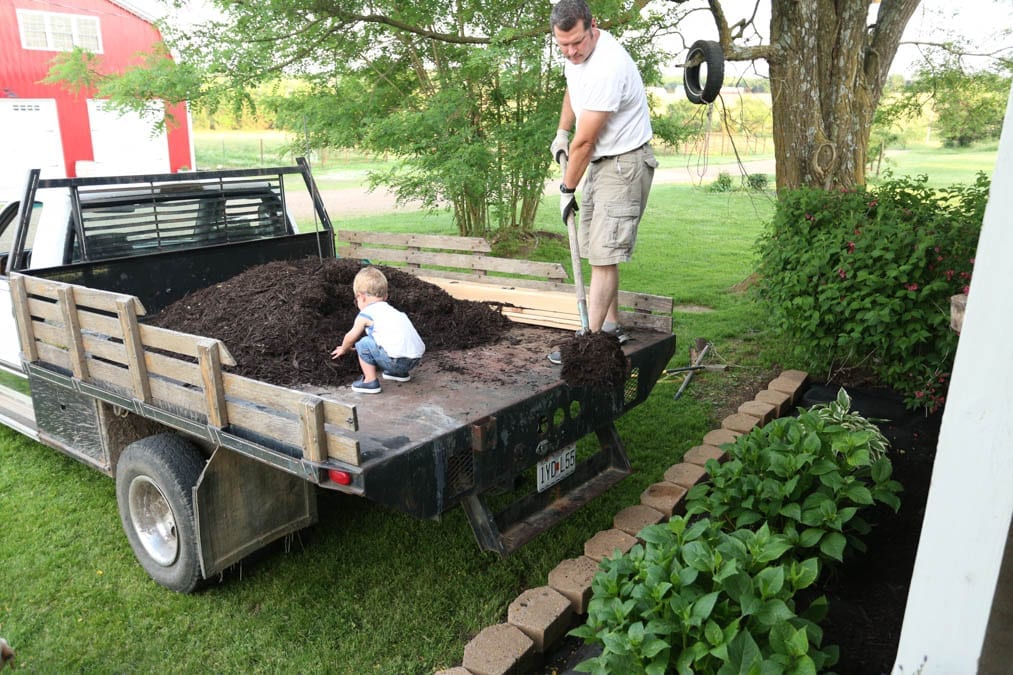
[281,320]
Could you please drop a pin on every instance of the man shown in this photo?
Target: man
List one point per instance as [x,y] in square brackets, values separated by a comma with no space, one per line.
[605,99]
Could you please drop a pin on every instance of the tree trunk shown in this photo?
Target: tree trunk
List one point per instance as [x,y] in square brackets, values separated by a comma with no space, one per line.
[827,71]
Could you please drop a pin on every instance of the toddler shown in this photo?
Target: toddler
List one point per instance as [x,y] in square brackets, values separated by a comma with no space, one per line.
[389,343]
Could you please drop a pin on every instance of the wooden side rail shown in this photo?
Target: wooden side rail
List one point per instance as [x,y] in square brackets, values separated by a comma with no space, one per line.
[533,293]
[97,337]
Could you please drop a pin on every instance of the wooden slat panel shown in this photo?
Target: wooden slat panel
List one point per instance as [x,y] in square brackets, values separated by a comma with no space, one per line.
[106,349]
[176,394]
[261,393]
[173,368]
[263,422]
[83,296]
[50,334]
[340,415]
[106,372]
[100,323]
[343,449]
[156,337]
[44,309]
[419,240]
[19,298]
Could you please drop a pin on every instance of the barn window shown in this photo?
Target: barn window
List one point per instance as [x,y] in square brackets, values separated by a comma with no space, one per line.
[58,32]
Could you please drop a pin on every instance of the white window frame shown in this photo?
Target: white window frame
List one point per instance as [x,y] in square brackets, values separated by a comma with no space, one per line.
[77,22]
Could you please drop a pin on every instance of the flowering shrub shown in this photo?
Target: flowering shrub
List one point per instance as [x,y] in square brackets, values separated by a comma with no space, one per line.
[862,278]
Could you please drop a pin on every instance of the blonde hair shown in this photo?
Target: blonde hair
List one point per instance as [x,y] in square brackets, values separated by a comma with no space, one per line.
[370,281]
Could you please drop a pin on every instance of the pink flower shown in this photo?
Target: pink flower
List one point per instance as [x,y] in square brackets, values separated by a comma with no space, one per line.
[809,217]
[949,275]
[911,287]
[919,394]
[858,232]
[967,289]
[937,249]
[971,260]
[872,204]
[851,247]
[842,274]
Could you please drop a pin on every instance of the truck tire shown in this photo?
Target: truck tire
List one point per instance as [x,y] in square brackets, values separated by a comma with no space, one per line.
[714,58]
[155,477]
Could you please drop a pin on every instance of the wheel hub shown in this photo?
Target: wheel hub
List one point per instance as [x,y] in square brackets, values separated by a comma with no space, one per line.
[153,521]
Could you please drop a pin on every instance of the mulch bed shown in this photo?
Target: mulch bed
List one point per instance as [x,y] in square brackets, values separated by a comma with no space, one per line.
[281,320]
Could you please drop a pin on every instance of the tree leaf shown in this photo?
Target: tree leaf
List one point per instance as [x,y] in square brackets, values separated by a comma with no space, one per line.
[832,546]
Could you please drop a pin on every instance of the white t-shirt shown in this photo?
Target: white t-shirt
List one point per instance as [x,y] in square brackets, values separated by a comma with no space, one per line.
[609,81]
[393,330]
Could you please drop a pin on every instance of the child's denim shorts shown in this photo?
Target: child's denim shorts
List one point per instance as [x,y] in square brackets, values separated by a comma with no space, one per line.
[374,355]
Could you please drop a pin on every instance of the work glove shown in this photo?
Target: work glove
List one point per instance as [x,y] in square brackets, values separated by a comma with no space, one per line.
[567,202]
[561,145]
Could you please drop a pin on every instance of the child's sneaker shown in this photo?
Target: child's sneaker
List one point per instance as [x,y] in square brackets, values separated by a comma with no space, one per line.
[397,378]
[371,387]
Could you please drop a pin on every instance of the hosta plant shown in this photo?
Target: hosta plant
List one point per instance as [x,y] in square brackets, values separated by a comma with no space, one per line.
[696,599]
[809,477]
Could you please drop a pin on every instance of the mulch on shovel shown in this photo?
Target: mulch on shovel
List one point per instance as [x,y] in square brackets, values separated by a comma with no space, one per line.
[595,361]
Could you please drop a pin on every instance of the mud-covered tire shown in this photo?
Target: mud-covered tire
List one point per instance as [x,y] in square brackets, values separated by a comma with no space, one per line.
[155,477]
[713,57]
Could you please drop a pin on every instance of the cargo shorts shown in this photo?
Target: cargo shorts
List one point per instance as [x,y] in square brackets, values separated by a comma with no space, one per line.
[612,202]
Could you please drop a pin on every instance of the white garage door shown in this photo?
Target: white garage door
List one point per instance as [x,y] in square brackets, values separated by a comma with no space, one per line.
[124,143]
[30,138]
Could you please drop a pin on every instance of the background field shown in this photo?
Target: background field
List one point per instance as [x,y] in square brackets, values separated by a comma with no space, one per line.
[368,589]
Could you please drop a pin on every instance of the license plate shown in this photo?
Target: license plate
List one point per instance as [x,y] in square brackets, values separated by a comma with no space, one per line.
[556,467]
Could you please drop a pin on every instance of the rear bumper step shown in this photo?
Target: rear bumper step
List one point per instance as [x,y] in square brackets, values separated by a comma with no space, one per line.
[523,520]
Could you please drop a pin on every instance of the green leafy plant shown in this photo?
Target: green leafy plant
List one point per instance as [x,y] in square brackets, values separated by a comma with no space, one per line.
[695,599]
[757,181]
[808,477]
[723,183]
[861,279]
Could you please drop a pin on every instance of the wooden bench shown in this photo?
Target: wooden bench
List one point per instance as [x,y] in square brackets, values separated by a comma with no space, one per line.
[529,291]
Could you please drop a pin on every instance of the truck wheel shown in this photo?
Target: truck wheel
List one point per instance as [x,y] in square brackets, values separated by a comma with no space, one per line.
[155,477]
[714,59]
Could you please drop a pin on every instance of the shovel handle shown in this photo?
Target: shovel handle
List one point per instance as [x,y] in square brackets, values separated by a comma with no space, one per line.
[578,272]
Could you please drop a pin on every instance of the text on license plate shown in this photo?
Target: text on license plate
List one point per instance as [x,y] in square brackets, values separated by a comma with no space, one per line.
[556,467]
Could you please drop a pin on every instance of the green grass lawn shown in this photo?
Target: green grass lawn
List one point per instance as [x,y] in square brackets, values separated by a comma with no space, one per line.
[367,589]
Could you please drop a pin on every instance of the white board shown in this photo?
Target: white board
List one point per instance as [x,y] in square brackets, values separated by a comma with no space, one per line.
[30,138]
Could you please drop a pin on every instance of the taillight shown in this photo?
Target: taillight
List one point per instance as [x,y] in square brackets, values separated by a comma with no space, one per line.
[339,477]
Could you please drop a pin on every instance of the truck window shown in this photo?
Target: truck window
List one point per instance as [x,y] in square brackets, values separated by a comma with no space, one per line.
[9,226]
[127,222]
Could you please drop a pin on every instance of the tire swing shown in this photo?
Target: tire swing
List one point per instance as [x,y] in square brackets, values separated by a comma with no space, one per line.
[709,54]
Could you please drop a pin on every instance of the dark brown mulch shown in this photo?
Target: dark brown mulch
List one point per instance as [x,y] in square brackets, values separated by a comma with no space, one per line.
[595,361]
[281,320]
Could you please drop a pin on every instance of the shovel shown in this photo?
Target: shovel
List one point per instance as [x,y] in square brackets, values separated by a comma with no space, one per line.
[578,272]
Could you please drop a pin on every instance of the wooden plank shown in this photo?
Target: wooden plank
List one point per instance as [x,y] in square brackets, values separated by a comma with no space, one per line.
[211,377]
[340,415]
[343,449]
[100,324]
[134,348]
[264,422]
[19,298]
[100,371]
[173,368]
[50,334]
[156,337]
[84,296]
[270,396]
[554,301]
[469,262]
[72,332]
[314,438]
[52,355]
[175,394]
[44,309]
[418,240]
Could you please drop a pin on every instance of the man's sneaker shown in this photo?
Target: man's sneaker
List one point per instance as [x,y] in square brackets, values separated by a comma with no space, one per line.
[555,357]
[620,334]
[397,378]
[371,387]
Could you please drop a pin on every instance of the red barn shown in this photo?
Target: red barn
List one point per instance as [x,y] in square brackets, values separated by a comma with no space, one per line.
[72,134]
